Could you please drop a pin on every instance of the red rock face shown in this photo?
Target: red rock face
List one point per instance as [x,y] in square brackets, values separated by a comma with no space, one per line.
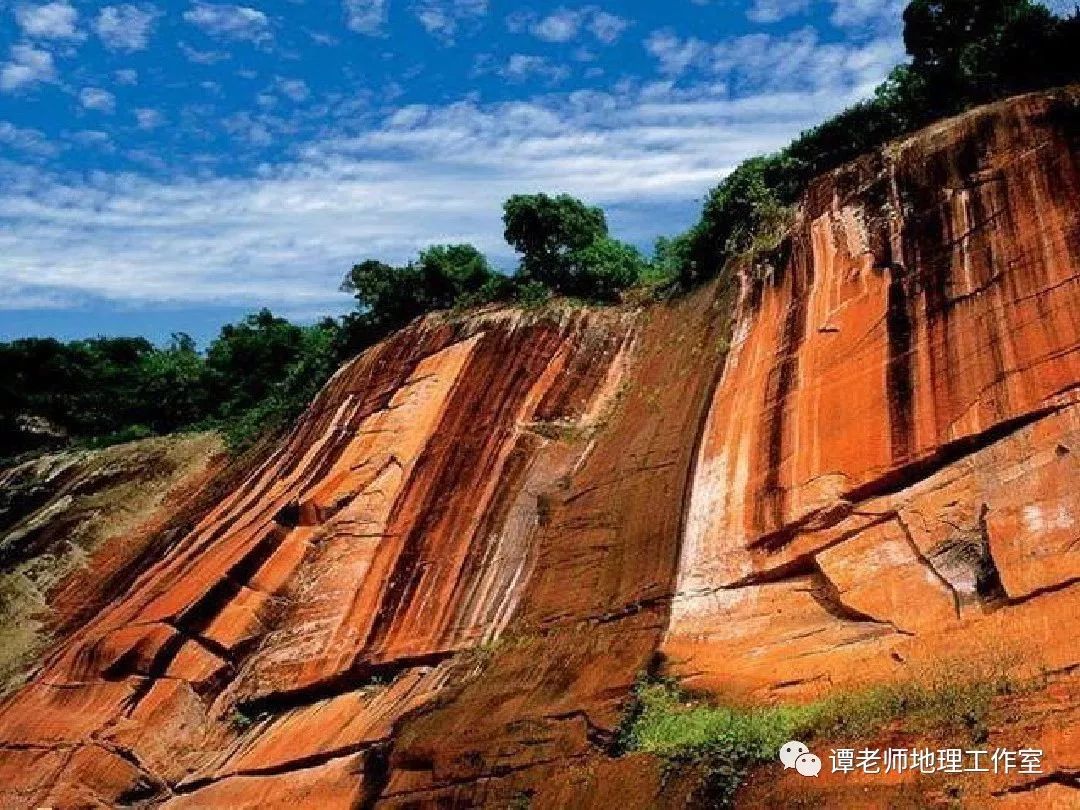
[889,470]
[439,589]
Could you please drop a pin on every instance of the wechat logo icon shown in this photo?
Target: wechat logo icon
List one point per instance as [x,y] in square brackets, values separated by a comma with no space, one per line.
[796,755]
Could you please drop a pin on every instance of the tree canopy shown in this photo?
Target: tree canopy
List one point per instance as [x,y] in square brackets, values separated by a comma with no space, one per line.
[261,371]
[565,246]
[963,53]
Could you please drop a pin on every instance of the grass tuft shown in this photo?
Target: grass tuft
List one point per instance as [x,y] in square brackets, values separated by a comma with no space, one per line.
[725,742]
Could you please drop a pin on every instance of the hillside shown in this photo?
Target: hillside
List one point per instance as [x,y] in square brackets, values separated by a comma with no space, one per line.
[843,462]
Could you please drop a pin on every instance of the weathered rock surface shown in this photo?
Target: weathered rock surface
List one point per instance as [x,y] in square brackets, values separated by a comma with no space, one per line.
[59,510]
[889,472]
[439,589]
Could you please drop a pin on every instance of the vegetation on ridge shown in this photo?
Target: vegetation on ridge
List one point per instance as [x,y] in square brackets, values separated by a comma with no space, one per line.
[258,374]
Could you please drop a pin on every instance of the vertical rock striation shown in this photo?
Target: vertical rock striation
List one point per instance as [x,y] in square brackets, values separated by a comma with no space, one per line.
[851,459]
[889,469]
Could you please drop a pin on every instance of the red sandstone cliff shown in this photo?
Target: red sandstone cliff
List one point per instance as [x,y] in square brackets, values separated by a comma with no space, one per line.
[857,456]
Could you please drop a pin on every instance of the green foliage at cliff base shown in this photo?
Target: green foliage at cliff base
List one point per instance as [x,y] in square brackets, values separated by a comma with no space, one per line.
[725,742]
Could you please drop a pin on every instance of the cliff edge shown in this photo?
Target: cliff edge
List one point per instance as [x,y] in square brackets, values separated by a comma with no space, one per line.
[842,461]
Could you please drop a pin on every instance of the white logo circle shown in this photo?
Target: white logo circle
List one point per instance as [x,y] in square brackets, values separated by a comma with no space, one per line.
[808,765]
[790,752]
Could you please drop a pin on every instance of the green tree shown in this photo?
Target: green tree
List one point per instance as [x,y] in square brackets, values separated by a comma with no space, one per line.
[293,388]
[733,213]
[388,297]
[670,255]
[969,51]
[248,359]
[547,231]
[171,392]
[386,294]
[458,275]
[605,267]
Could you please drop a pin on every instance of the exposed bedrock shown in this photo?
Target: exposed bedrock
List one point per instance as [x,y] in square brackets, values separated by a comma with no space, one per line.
[889,471]
[847,460]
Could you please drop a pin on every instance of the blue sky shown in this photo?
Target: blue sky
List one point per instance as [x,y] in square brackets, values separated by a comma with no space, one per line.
[171,165]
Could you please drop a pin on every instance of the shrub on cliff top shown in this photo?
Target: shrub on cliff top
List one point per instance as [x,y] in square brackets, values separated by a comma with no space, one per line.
[963,53]
[388,296]
[564,245]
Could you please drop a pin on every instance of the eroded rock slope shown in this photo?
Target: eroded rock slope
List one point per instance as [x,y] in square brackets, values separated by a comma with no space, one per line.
[854,456]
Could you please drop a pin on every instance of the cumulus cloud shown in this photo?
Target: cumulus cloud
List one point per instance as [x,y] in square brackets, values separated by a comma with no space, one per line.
[607,27]
[148,118]
[365,16]
[200,57]
[559,26]
[294,89]
[125,27]
[251,128]
[26,67]
[230,22]
[94,98]
[860,14]
[757,62]
[444,18]
[127,76]
[423,174]
[520,67]
[770,11]
[566,24]
[26,140]
[674,53]
[50,21]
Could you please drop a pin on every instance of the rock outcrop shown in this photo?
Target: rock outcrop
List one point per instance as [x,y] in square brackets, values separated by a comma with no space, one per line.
[890,466]
[855,457]
[61,509]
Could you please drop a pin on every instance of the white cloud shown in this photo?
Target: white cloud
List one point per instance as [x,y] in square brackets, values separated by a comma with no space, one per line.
[125,27]
[55,20]
[252,129]
[25,140]
[443,18]
[26,66]
[674,53]
[861,14]
[559,26]
[437,22]
[566,24]
[761,62]
[366,16]
[424,174]
[94,98]
[127,76]
[230,22]
[148,118]
[770,11]
[520,67]
[295,89]
[203,57]
[607,27]
[95,138]
[800,59]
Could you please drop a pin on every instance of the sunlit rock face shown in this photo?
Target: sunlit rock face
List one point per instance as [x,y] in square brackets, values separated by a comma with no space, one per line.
[461,477]
[889,470]
[855,457]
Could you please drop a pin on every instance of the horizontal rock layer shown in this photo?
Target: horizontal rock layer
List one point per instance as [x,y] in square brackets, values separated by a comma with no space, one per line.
[852,460]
